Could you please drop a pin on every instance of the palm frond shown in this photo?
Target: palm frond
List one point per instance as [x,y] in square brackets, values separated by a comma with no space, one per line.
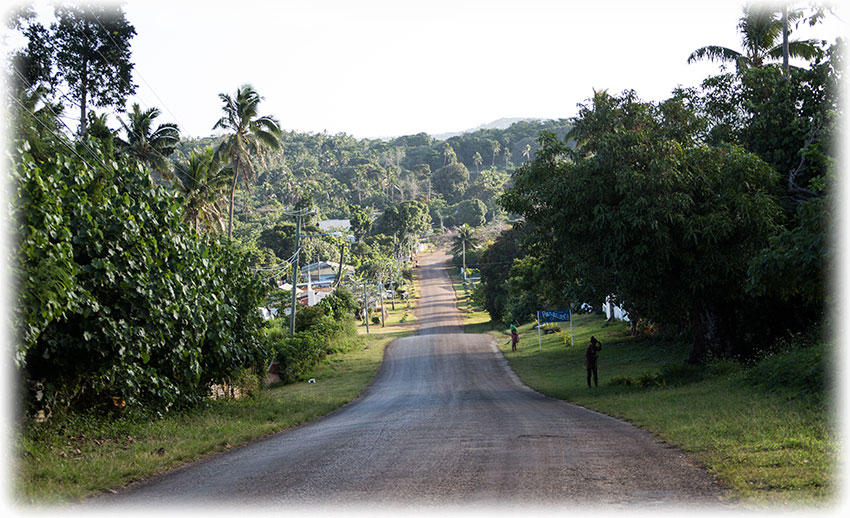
[800,49]
[714,53]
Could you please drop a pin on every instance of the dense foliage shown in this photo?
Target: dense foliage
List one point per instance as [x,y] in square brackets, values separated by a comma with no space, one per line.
[116,299]
[708,213]
[323,329]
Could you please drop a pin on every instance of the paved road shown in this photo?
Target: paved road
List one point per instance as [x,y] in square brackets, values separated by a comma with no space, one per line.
[445,422]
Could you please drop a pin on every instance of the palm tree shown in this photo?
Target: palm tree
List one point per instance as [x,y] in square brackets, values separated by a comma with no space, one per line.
[464,239]
[762,38]
[449,156]
[477,161]
[250,134]
[149,146]
[527,152]
[496,149]
[203,180]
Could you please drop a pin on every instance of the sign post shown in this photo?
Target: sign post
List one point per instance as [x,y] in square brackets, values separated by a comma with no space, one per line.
[545,316]
[539,340]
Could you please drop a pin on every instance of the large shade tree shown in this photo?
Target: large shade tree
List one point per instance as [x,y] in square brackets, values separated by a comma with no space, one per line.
[642,210]
[250,134]
[92,46]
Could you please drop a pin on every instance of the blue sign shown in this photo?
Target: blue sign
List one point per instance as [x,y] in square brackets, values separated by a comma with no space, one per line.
[553,316]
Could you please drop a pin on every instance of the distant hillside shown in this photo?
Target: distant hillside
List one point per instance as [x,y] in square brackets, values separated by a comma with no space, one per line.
[503,123]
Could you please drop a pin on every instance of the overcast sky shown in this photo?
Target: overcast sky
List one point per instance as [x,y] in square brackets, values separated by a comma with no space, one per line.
[387,68]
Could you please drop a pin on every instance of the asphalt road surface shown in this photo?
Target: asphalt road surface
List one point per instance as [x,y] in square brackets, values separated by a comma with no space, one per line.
[444,423]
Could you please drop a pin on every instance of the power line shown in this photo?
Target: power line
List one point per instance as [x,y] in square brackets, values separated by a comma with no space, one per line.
[58,118]
[126,83]
[58,137]
[139,74]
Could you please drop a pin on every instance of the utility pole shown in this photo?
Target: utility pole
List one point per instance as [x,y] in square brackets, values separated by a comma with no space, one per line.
[463,243]
[295,273]
[341,257]
[298,214]
[365,308]
[381,290]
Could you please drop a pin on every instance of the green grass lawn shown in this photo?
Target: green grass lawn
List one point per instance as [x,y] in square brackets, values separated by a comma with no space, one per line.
[70,459]
[768,445]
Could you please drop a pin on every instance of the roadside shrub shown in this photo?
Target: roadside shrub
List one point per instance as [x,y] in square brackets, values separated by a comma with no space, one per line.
[119,303]
[340,304]
[682,373]
[320,330]
[803,369]
[550,327]
[298,353]
[309,317]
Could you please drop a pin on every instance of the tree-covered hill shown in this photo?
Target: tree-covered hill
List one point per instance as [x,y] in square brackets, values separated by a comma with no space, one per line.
[335,171]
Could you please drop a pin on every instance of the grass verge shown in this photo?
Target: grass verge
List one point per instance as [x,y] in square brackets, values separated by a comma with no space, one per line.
[771,443]
[400,321]
[472,313]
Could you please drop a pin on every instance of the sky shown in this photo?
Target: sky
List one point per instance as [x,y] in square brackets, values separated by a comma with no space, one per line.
[375,68]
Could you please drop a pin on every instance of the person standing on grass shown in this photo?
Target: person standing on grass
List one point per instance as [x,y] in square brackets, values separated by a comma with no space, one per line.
[514,336]
[590,356]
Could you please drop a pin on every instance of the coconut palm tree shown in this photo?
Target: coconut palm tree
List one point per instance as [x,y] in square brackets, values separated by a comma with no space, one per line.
[251,134]
[449,156]
[149,146]
[762,38]
[204,181]
[464,240]
[477,161]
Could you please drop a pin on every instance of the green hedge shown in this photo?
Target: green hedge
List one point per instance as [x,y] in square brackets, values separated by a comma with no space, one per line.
[117,298]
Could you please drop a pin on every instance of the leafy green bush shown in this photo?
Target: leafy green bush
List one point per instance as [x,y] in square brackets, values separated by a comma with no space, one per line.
[341,304]
[323,329]
[802,368]
[117,298]
[682,373]
[298,353]
[550,327]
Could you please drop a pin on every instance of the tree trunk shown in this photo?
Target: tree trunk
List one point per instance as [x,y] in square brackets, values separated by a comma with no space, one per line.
[634,316]
[232,196]
[709,332]
[610,302]
[83,98]
[785,50]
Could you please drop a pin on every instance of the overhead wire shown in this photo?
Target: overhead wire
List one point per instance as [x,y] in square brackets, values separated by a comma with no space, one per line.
[124,81]
[140,75]
[58,118]
[75,103]
[48,128]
